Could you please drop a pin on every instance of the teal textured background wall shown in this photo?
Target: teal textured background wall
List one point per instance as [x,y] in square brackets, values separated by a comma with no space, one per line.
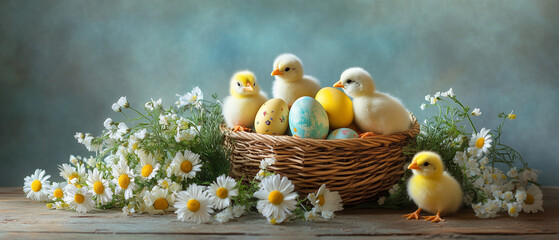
[63,63]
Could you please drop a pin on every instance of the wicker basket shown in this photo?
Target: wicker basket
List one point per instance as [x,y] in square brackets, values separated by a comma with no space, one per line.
[359,169]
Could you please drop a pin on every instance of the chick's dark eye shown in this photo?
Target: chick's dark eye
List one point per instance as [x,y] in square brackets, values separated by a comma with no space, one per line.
[426,164]
[238,84]
[287,69]
[349,81]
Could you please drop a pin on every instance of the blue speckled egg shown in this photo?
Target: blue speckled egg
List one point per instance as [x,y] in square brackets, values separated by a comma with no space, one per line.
[342,133]
[308,119]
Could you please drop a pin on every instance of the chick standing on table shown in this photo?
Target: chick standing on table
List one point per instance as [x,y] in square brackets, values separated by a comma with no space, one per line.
[239,109]
[432,188]
[374,112]
[290,84]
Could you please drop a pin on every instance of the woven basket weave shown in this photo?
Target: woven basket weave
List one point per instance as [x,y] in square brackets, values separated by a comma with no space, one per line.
[359,169]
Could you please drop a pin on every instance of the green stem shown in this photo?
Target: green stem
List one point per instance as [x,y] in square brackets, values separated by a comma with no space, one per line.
[466,113]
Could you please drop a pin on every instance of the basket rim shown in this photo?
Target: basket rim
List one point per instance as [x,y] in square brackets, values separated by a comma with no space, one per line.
[395,137]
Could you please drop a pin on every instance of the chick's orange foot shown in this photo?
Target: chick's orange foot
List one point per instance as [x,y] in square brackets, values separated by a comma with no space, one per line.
[434,218]
[367,134]
[240,129]
[414,215]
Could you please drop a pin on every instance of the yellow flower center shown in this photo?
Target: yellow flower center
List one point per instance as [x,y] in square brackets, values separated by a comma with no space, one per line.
[135,146]
[146,170]
[275,197]
[161,204]
[164,184]
[321,200]
[193,205]
[222,192]
[512,116]
[58,193]
[480,142]
[186,166]
[49,205]
[123,181]
[36,186]
[74,175]
[529,199]
[273,221]
[79,198]
[512,210]
[193,98]
[98,187]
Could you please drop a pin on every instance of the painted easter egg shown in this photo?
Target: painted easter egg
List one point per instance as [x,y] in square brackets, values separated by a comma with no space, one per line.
[342,133]
[338,106]
[308,119]
[272,117]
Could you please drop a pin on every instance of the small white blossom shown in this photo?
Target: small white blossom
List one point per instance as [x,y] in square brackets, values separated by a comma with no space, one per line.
[423,106]
[109,124]
[116,107]
[476,112]
[123,103]
[328,215]
[381,200]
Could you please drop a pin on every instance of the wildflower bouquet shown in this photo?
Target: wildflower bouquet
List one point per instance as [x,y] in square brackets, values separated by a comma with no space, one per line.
[475,161]
[172,159]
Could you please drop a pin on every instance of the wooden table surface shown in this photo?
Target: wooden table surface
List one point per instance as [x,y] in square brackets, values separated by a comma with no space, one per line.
[23,218]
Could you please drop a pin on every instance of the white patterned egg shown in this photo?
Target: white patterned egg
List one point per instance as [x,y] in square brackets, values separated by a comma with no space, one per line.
[308,119]
[342,133]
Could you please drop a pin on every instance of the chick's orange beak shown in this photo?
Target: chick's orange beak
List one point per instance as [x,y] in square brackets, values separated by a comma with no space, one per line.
[413,165]
[339,84]
[276,72]
[249,87]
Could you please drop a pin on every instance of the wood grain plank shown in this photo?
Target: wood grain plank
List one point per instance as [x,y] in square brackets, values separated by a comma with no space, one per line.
[20,217]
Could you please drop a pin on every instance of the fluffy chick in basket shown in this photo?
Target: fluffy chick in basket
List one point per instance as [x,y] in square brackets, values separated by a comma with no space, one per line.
[240,108]
[432,188]
[290,84]
[374,112]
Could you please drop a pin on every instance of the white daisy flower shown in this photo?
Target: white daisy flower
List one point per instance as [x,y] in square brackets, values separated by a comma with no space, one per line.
[194,204]
[37,186]
[109,124]
[224,216]
[121,131]
[476,112]
[158,201]
[116,107]
[186,135]
[90,143]
[124,179]
[74,160]
[481,140]
[423,106]
[449,93]
[328,215]
[151,105]
[148,166]
[533,202]
[79,199]
[141,134]
[266,162]
[192,98]
[311,216]
[277,199]
[74,175]
[238,210]
[129,209]
[520,195]
[99,187]
[514,208]
[166,183]
[123,103]
[528,175]
[60,205]
[222,190]
[57,190]
[513,172]
[325,200]
[79,137]
[186,164]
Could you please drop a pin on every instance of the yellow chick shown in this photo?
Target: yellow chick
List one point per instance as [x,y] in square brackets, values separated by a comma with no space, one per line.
[432,188]
[240,108]
[290,84]
[374,112]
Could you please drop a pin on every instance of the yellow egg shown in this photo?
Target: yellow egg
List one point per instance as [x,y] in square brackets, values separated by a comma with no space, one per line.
[338,106]
[272,117]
